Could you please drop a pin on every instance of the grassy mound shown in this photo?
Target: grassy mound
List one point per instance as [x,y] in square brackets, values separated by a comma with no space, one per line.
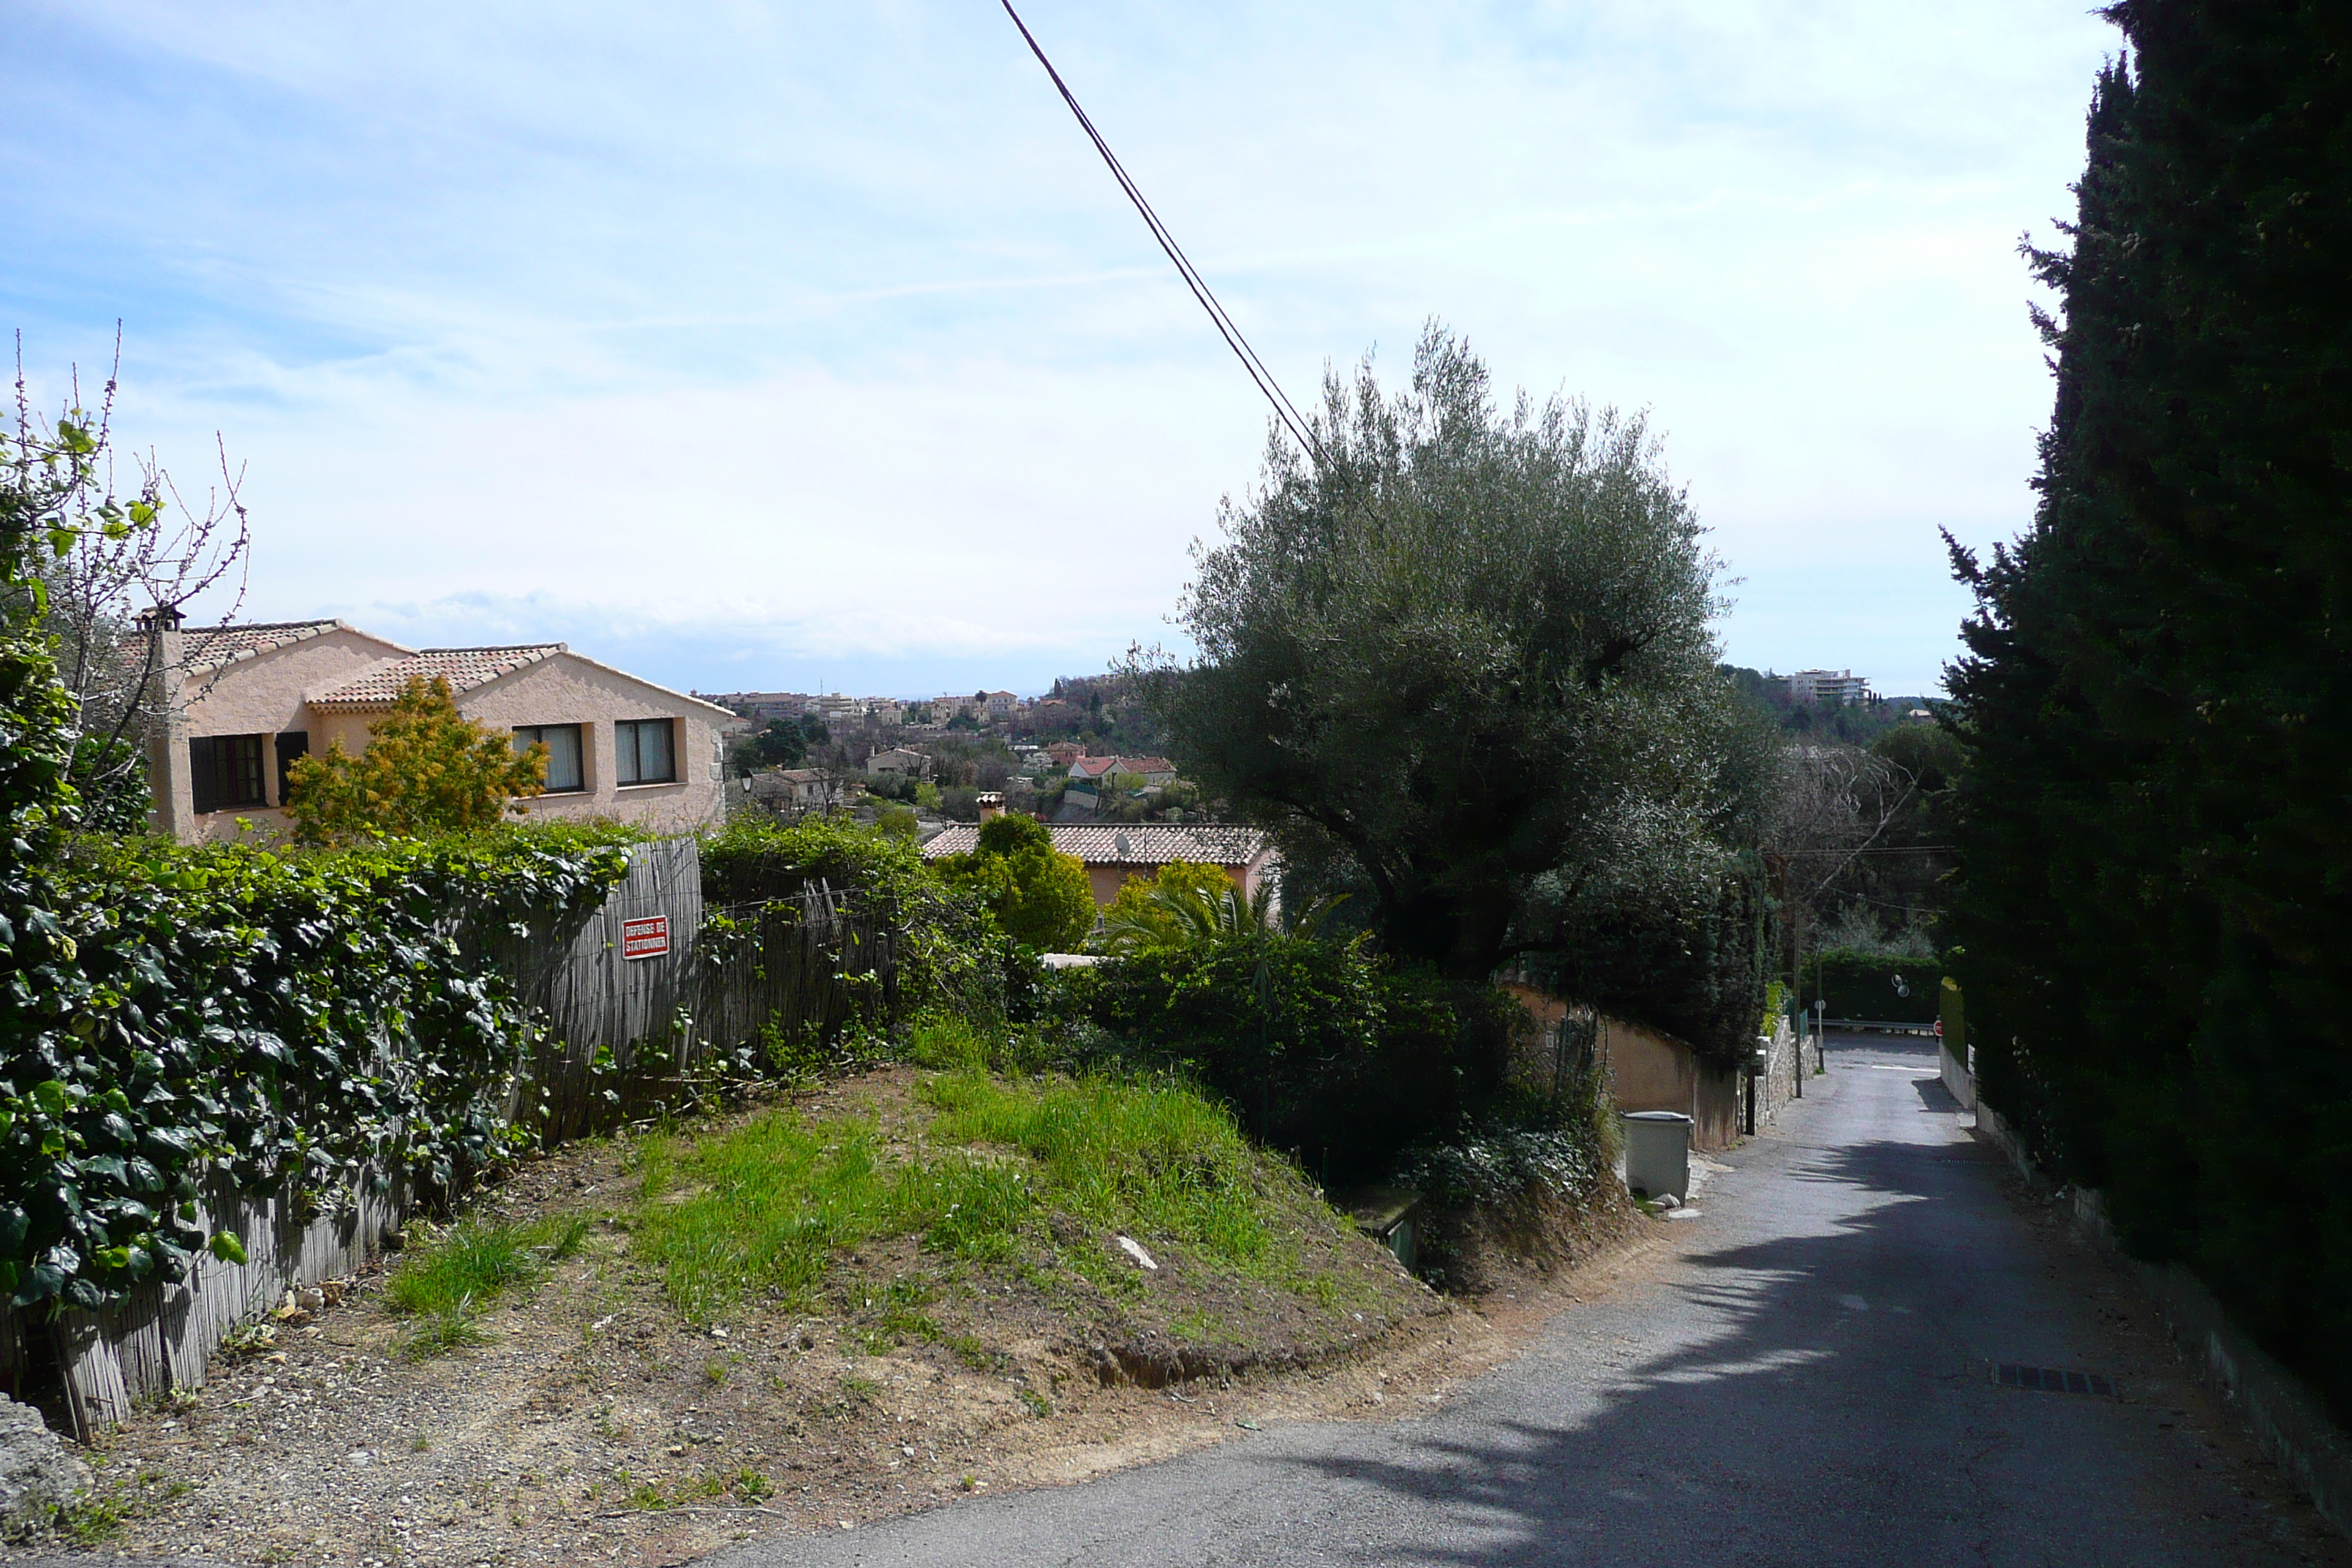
[980,1195]
[997,1174]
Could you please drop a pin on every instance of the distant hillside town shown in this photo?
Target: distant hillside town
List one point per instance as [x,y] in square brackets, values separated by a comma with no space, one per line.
[1084,752]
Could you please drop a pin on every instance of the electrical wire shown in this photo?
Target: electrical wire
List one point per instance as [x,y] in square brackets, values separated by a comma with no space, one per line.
[1284,409]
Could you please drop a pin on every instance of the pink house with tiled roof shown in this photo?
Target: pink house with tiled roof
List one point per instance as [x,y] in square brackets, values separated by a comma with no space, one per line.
[1113,854]
[252,698]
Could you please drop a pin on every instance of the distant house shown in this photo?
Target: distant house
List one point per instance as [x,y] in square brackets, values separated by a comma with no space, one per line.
[250,699]
[898,762]
[792,789]
[1000,706]
[1065,753]
[1152,771]
[1114,855]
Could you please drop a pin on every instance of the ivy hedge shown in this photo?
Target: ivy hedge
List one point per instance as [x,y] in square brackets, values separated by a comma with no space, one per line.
[296,1018]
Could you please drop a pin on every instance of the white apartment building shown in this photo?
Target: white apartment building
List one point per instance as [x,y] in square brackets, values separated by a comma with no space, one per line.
[1841,686]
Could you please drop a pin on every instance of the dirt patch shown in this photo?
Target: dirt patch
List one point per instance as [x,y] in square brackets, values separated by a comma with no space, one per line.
[598,1425]
[1483,1254]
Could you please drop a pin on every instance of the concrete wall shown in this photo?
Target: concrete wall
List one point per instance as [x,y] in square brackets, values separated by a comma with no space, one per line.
[1104,881]
[1719,1107]
[1653,1071]
[1957,1079]
[1648,1071]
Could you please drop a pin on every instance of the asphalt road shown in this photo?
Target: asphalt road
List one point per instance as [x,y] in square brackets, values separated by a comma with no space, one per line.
[1805,1382]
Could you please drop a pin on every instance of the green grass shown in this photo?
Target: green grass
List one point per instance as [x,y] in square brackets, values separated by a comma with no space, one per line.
[947,1044]
[444,1285]
[760,1211]
[89,1520]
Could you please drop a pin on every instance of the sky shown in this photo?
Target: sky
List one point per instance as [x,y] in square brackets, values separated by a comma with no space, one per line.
[809,347]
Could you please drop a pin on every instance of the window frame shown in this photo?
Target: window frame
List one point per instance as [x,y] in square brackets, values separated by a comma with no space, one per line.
[209,769]
[625,761]
[579,739]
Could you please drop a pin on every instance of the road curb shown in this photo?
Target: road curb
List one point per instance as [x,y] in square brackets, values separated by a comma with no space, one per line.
[2288,1419]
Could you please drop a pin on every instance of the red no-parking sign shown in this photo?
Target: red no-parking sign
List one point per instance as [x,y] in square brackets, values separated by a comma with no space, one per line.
[647,937]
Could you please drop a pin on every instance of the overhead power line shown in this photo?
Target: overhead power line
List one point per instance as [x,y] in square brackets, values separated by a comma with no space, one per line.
[1284,409]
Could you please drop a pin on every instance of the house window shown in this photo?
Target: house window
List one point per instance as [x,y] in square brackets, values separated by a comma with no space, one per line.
[562,743]
[645,753]
[225,771]
[292,744]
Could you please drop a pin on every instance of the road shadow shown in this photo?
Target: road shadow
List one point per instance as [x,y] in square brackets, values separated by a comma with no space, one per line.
[1935,1097]
[1836,1409]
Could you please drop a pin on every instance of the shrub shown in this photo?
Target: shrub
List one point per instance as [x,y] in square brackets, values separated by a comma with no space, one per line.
[1319,1049]
[426,769]
[1039,895]
[946,950]
[1182,901]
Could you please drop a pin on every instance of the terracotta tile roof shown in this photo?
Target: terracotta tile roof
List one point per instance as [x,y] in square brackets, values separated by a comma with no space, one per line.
[1134,844]
[1100,767]
[213,646]
[463,667]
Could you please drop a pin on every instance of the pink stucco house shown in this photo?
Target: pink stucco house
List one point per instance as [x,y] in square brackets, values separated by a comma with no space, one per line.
[1115,855]
[250,700]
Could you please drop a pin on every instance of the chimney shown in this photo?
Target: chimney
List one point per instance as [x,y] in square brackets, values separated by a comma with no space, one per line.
[991,804]
[173,815]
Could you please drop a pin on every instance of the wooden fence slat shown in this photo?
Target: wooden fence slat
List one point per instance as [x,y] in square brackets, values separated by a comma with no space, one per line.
[96,1395]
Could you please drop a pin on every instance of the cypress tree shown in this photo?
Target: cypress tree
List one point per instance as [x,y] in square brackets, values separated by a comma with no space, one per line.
[2155,897]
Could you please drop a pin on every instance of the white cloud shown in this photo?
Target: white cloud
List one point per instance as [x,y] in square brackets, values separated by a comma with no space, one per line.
[815,334]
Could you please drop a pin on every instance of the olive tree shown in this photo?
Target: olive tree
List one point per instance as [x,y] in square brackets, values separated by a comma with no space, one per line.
[1463,658]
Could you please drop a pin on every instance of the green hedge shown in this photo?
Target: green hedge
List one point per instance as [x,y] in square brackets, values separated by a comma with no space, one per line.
[284,1018]
[1320,1051]
[947,954]
[1868,987]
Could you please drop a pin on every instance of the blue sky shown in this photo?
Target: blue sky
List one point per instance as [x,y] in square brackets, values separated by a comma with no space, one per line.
[787,346]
